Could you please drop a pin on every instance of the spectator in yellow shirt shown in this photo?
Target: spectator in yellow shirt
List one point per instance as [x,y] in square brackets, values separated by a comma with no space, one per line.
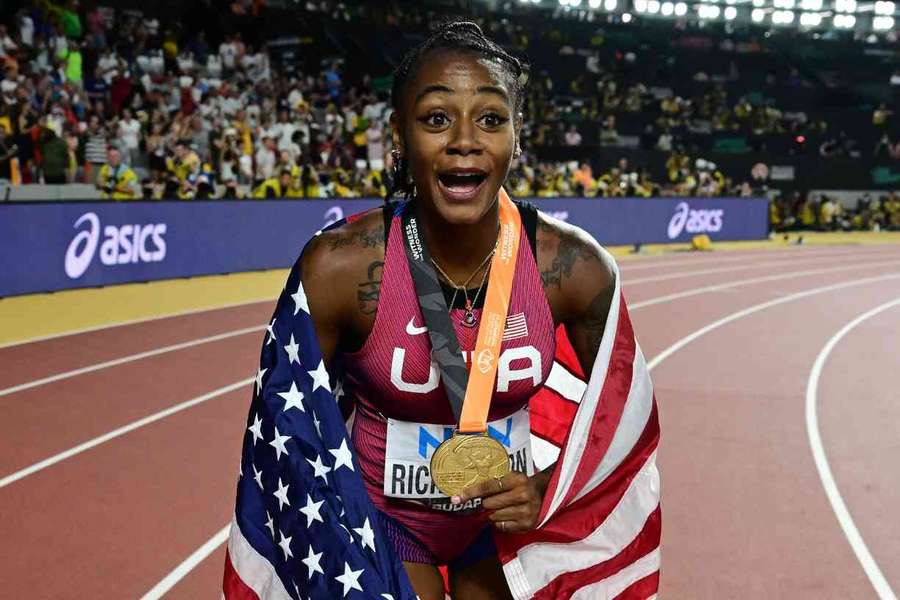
[116,180]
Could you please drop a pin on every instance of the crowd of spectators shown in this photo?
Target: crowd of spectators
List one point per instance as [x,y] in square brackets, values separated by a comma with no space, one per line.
[140,108]
[804,212]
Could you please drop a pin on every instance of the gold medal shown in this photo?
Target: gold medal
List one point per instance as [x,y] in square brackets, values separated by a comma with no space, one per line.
[467,459]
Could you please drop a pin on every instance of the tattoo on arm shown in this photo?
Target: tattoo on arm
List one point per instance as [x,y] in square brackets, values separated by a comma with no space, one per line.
[367,238]
[368,291]
[568,252]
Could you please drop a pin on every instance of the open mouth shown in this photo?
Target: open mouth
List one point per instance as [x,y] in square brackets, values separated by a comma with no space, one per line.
[461,185]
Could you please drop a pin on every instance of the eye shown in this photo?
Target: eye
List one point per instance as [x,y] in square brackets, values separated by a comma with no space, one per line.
[436,120]
[493,120]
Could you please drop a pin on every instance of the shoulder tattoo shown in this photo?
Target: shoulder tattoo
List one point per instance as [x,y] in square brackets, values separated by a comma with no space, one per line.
[569,250]
[368,291]
[371,237]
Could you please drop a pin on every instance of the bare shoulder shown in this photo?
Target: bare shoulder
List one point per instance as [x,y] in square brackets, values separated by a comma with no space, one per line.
[575,269]
[341,271]
[344,250]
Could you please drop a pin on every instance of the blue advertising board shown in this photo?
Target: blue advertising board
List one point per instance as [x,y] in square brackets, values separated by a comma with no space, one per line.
[56,246]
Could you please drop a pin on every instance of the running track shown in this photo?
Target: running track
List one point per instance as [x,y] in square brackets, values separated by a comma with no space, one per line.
[776,375]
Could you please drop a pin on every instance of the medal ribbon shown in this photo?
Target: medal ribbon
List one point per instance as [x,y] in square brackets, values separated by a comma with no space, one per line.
[469,393]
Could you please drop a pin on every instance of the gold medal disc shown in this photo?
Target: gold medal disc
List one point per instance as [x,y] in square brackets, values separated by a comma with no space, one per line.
[467,459]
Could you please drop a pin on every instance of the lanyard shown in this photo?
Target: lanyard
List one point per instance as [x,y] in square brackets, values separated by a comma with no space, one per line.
[469,393]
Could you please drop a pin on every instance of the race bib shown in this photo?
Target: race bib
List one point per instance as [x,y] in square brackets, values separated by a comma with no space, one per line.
[407,472]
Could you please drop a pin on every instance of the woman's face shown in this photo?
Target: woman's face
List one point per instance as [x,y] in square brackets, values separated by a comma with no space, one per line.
[457,129]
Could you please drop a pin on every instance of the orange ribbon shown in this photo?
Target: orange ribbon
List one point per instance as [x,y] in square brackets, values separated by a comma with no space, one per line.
[480,387]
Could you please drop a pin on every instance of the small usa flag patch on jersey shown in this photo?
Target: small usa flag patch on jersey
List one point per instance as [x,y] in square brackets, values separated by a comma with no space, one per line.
[516,327]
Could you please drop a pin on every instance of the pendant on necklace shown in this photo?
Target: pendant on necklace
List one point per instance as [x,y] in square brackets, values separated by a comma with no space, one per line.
[468,319]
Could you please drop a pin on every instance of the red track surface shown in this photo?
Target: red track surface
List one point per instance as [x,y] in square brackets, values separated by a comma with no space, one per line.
[745,515]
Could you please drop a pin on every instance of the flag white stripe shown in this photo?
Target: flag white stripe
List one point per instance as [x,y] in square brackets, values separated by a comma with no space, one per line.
[584,417]
[254,570]
[540,563]
[543,452]
[616,584]
[564,383]
[631,425]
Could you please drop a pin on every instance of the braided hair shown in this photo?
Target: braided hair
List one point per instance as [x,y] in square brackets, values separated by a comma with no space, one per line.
[462,36]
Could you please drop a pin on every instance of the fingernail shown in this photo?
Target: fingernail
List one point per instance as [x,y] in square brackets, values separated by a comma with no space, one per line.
[455,500]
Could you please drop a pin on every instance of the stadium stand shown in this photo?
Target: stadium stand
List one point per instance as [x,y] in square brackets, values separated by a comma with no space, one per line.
[204,107]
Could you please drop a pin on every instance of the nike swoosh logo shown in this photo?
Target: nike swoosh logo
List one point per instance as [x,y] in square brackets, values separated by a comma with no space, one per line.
[411,328]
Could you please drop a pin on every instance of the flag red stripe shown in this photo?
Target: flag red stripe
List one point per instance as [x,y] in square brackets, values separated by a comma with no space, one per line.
[613,398]
[567,584]
[574,522]
[641,589]
[565,353]
[614,363]
[551,414]
[233,586]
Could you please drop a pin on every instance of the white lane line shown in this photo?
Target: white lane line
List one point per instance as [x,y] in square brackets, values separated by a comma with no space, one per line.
[759,308]
[113,325]
[246,330]
[734,284]
[876,577]
[194,311]
[130,358]
[729,269]
[83,447]
[179,572]
[808,251]
[700,332]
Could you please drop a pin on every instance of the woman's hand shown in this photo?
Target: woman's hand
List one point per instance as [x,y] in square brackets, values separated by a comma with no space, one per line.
[513,501]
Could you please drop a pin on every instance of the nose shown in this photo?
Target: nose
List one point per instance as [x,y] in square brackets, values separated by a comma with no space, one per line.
[464,138]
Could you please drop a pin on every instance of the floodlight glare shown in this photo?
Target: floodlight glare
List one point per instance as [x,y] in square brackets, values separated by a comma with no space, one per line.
[844,21]
[811,4]
[680,9]
[626,17]
[847,6]
[640,5]
[883,22]
[730,13]
[758,15]
[667,9]
[883,7]
[759,3]
[595,3]
[653,7]
[609,5]
[810,19]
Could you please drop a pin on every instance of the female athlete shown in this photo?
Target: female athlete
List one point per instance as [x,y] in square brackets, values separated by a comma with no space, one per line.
[456,125]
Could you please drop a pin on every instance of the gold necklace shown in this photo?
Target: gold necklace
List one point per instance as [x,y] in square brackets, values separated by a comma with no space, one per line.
[468,319]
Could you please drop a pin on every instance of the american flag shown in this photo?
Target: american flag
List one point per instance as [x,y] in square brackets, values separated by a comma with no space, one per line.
[516,327]
[304,526]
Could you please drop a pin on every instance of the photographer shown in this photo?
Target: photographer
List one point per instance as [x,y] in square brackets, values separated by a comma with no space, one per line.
[116,180]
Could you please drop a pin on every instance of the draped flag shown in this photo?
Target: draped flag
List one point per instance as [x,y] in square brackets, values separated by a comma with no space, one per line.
[304,526]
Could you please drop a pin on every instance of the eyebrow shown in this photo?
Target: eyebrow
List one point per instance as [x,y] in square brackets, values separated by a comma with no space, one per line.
[443,89]
[434,89]
[493,89]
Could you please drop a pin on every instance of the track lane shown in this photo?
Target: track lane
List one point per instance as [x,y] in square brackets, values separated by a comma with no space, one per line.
[39,426]
[736,458]
[35,360]
[208,573]
[109,521]
[858,422]
[40,422]
[200,538]
[65,354]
